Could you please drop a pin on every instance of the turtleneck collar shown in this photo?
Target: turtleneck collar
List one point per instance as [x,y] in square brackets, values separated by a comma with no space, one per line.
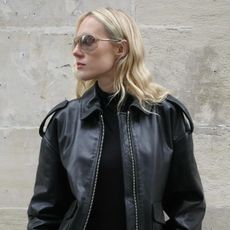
[107,99]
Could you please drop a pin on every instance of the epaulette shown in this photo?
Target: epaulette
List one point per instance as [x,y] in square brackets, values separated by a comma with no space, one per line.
[57,108]
[188,120]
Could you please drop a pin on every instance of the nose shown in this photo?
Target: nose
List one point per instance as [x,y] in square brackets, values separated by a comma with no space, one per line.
[77,52]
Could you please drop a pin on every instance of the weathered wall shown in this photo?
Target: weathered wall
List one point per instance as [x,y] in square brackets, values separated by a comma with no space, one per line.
[187,49]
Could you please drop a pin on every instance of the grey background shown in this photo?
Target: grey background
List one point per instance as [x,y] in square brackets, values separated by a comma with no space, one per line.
[187,49]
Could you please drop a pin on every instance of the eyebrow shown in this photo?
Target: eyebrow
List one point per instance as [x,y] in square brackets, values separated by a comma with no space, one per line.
[85,33]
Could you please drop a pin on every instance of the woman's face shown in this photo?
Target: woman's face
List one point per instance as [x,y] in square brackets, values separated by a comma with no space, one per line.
[99,62]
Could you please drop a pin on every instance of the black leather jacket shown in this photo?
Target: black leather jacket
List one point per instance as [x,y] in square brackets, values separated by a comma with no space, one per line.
[160,172]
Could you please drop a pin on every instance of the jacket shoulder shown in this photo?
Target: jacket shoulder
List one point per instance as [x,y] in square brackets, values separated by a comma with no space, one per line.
[64,105]
[179,106]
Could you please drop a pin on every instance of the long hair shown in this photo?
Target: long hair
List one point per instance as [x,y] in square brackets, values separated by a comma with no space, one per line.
[132,76]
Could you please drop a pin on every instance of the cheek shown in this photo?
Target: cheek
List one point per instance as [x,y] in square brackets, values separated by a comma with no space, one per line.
[103,62]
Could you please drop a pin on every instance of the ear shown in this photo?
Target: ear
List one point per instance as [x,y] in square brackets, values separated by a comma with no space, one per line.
[121,49]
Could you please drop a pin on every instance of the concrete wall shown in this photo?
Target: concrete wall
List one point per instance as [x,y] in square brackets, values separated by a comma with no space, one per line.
[187,49]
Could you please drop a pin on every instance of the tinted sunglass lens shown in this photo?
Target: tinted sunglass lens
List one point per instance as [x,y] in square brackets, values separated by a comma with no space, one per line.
[88,42]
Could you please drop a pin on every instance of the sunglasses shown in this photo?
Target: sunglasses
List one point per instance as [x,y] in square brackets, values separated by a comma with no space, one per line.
[88,42]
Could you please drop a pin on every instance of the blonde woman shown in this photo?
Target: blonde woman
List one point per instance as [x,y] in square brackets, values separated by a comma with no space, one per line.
[121,154]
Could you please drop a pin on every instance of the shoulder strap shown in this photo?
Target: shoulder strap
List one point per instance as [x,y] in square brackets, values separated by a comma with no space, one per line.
[184,110]
[58,107]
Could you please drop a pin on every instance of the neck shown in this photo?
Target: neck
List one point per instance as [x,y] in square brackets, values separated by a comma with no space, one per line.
[106,85]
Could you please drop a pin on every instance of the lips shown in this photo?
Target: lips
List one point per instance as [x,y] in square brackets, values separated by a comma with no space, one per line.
[80,65]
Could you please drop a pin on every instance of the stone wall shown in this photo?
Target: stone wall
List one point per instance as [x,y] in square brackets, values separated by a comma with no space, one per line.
[187,49]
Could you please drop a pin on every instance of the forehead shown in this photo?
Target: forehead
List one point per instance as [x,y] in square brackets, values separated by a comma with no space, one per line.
[91,25]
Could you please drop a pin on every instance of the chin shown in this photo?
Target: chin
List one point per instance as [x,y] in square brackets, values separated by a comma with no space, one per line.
[85,77]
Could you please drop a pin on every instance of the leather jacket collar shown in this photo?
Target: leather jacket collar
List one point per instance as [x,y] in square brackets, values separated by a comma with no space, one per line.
[90,103]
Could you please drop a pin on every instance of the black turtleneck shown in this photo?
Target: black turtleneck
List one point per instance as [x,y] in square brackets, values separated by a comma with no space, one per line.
[108,210]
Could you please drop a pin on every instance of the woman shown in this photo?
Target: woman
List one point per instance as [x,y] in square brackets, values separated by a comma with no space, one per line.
[121,154]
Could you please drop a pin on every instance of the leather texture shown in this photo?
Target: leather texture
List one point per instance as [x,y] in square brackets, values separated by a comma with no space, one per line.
[166,176]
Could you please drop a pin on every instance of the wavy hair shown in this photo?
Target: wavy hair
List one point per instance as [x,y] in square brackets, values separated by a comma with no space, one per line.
[132,76]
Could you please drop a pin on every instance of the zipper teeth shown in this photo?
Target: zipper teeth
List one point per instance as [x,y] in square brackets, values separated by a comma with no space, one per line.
[96,176]
[133,171]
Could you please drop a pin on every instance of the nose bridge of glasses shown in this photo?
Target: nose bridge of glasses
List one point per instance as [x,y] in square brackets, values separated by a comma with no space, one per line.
[75,47]
[77,50]
[75,43]
[79,42]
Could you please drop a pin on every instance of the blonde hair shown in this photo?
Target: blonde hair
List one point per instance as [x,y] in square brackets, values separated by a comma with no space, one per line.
[132,75]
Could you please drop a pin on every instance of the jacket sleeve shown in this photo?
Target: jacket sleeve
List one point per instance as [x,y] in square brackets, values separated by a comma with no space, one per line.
[184,199]
[52,195]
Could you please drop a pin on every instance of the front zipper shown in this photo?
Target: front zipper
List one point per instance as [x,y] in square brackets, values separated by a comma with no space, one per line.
[133,172]
[97,171]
